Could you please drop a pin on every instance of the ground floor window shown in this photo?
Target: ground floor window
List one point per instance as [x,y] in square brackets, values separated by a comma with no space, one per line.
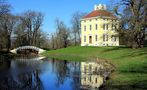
[113,38]
[105,37]
[96,37]
[84,38]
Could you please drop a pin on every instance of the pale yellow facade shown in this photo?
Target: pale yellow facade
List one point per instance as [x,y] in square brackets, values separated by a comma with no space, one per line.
[89,77]
[99,31]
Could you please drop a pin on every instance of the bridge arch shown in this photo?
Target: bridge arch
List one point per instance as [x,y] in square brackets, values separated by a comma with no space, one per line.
[27,49]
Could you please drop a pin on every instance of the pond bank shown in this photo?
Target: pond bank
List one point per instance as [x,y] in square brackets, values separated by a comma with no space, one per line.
[131,64]
[6,54]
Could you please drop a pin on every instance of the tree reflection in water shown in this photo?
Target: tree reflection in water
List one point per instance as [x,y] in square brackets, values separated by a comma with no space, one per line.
[61,72]
[31,74]
[19,78]
[65,70]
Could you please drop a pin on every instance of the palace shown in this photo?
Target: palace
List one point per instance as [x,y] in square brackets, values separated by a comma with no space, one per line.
[99,28]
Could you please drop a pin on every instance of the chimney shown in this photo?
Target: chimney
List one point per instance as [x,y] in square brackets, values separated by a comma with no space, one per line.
[100,7]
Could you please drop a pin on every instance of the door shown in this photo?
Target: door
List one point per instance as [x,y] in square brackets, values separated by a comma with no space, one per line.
[90,39]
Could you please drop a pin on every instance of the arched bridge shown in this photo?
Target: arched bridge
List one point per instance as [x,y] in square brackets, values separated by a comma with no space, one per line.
[27,49]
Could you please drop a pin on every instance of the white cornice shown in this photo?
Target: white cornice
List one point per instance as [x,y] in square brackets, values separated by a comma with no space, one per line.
[98,17]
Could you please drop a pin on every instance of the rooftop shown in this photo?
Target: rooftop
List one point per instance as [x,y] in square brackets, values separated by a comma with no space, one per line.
[100,11]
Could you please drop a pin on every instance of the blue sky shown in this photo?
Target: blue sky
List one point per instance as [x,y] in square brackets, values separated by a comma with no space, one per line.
[52,9]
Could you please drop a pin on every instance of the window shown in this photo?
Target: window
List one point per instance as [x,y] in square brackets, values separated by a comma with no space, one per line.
[90,68]
[113,26]
[84,28]
[95,80]
[84,78]
[105,37]
[85,69]
[113,38]
[96,27]
[96,37]
[90,27]
[84,38]
[116,26]
[105,26]
[96,69]
[90,79]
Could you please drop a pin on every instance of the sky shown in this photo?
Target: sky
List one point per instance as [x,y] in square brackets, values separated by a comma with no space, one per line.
[52,9]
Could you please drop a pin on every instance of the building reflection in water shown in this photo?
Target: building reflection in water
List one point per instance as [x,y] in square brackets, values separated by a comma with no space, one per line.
[47,74]
[90,76]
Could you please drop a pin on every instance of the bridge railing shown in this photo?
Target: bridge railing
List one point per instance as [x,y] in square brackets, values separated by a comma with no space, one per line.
[39,50]
[28,47]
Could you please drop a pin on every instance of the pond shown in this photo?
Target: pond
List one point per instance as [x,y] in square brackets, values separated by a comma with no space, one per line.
[39,73]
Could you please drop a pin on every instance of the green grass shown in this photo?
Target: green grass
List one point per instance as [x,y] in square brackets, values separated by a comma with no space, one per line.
[131,64]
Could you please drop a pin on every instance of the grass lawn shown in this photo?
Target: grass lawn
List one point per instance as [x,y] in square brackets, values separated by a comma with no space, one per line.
[131,64]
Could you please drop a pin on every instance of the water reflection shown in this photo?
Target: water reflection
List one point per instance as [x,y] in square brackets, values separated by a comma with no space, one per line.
[44,74]
[20,75]
[89,75]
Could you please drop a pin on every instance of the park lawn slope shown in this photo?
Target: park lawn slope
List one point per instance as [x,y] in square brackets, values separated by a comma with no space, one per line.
[131,64]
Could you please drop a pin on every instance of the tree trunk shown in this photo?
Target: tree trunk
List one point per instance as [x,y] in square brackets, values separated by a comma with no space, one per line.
[8,42]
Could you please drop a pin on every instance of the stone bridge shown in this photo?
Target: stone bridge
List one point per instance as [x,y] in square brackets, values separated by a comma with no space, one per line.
[23,48]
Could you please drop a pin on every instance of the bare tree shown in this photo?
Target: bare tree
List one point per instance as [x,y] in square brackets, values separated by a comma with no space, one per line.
[53,42]
[76,28]
[8,24]
[24,29]
[5,8]
[62,34]
[133,21]
[32,21]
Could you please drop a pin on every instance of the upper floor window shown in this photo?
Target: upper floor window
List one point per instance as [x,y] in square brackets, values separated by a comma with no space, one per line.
[114,27]
[90,27]
[84,28]
[96,26]
[105,26]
